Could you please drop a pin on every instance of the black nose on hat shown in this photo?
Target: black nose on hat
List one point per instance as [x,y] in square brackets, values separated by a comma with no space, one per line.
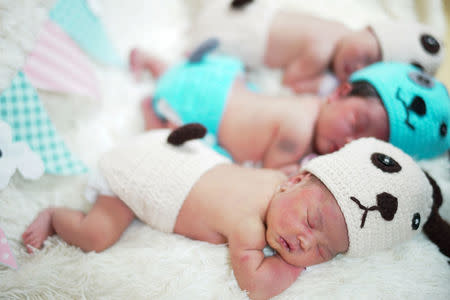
[429,43]
[387,205]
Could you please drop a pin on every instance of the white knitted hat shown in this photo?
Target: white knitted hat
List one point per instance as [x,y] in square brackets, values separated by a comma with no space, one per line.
[384,195]
[409,42]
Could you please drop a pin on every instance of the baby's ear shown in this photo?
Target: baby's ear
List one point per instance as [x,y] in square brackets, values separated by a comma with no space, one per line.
[340,92]
[294,180]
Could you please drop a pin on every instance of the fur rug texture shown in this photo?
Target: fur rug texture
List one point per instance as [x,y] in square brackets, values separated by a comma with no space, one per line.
[147,264]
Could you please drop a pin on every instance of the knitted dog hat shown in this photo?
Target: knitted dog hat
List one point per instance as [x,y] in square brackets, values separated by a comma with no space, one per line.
[409,42]
[383,194]
[418,107]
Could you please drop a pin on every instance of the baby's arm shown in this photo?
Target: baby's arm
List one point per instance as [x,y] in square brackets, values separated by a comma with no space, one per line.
[261,277]
[285,150]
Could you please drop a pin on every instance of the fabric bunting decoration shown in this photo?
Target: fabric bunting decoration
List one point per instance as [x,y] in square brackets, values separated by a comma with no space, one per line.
[17,156]
[21,108]
[56,63]
[85,28]
[6,256]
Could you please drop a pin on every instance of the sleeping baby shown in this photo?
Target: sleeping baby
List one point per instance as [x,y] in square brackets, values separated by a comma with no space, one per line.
[305,47]
[390,101]
[366,197]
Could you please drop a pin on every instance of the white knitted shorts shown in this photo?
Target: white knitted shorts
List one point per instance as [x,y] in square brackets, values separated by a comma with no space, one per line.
[234,27]
[153,177]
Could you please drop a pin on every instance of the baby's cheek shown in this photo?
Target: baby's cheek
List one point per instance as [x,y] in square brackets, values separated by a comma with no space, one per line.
[331,213]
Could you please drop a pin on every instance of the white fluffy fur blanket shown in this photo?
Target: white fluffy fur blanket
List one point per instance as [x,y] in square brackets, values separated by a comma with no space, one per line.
[146,264]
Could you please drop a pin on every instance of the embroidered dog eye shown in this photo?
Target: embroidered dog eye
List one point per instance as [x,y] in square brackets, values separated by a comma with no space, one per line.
[418,106]
[415,221]
[385,163]
[442,130]
[421,79]
[429,43]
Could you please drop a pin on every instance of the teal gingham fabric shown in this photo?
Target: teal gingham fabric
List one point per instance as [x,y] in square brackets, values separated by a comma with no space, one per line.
[21,108]
[85,28]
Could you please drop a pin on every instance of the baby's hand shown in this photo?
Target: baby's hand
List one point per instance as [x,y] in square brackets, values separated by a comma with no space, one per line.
[261,277]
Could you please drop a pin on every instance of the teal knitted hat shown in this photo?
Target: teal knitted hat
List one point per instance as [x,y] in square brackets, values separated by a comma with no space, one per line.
[418,107]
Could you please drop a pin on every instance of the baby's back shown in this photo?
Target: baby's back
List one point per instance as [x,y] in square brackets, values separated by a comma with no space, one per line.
[222,198]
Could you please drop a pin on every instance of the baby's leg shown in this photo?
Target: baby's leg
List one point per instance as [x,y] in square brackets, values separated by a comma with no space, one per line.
[140,61]
[95,231]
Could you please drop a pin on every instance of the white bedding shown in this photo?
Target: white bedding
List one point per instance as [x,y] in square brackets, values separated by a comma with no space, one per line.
[147,264]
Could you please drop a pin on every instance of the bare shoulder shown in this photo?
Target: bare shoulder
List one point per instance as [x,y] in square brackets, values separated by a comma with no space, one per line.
[248,234]
[299,115]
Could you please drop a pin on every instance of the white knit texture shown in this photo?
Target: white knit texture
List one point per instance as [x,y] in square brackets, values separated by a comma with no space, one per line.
[154,178]
[396,37]
[350,172]
[234,27]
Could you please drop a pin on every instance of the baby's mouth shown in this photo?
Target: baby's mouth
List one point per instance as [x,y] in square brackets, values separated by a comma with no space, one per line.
[284,244]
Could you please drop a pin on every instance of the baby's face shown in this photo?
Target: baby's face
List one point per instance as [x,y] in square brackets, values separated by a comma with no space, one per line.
[354,52]
[304,222]
[349,118]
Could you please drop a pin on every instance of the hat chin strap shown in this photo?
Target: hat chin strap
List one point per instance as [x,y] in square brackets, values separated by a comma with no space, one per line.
[436,228]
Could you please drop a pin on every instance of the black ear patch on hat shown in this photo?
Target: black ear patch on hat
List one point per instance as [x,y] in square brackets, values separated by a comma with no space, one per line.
[429,43]
[385,163]
[436,228]
[239,4]
[186,133]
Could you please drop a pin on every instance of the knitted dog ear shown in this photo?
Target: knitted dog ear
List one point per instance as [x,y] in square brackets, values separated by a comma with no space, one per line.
[186,133]
[436,228]
[203,49]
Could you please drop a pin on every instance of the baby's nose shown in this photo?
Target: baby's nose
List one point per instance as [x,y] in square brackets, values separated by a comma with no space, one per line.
[307,241]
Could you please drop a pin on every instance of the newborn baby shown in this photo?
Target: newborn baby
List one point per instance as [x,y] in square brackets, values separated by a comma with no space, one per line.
[390,101]
[306,47]
[366,197]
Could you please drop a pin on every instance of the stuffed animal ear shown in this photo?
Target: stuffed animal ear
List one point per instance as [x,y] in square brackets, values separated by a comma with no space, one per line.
[436,228]
[186,133]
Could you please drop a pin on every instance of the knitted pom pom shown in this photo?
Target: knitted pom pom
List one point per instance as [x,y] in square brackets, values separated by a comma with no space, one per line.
[239,4]
[186,133]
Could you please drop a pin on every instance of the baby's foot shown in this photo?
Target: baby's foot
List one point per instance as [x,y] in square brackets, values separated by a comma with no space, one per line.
[140,61]
[39,230]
